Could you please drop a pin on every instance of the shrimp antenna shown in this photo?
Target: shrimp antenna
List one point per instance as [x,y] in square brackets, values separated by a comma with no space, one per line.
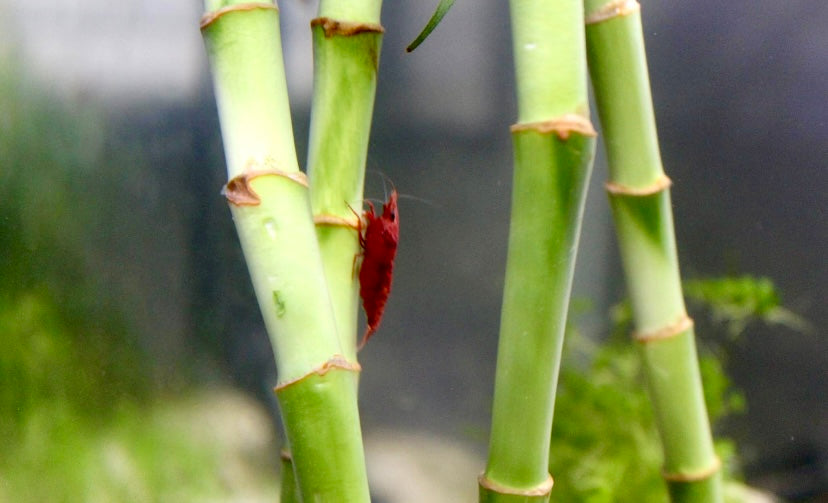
[428,202]
[386,180]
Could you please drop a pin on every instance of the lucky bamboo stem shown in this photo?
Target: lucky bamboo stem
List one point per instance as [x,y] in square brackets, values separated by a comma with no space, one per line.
[287,492]
[553,152]
[640,200]
[346,58]
[269,201]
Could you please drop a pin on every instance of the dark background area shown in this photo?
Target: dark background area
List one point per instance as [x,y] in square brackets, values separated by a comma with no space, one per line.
[741,98]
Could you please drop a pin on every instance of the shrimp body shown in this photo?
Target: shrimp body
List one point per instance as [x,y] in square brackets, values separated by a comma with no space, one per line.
[379,248]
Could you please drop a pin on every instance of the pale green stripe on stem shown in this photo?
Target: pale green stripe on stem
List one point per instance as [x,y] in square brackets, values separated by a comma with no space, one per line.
[251,92]
[550,66]
[644,226]
[618,67]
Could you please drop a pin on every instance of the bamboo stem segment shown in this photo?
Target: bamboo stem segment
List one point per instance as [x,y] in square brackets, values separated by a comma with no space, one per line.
[549,190]
[346,59]
[323,450]
[493,492]
[553,152]
[639,194]
[287,491]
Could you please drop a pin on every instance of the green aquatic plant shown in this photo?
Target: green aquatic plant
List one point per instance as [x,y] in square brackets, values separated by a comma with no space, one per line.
[605,439]
[736,301]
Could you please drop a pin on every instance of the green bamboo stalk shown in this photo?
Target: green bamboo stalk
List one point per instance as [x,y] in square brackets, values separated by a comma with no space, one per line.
[346,58]
[553,153]
[269,201]
[287,492]
[640,200]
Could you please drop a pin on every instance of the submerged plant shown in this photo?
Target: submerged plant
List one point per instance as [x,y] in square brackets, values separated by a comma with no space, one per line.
[736,301]
[605,437]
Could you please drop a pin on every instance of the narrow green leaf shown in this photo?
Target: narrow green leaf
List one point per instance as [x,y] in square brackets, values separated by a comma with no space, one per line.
[444,7]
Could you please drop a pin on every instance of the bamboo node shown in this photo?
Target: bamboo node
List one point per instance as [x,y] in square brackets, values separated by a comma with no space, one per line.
[285,455]
[616,8]
[696,476]
[335,221]
[335,362]
[662,183]
[563,126]
[210,17]
[334,27]
[239,192]
[673,329]
[540,490]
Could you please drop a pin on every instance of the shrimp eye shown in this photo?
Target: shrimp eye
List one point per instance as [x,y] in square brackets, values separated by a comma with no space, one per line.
[393,216]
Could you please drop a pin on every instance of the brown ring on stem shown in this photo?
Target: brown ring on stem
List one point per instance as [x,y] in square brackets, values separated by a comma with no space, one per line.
[285,454]
[563,126]
[211,16]
[611,10]
[662,183]
[696,476]
[335,221]
[673,329]
[335,362]
[334,27]
[540,490]
[239,192]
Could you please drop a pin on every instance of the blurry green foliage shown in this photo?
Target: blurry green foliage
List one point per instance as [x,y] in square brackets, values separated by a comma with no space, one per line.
[158,452]
[67,360]
[81,418]
[62,340]
[736,301]
[603,444]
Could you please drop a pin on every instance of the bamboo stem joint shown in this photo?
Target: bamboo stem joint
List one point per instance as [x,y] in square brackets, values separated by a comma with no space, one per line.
[661,184]
[616,8]
[334,27]
[563,126]
[540,490]
[696,476]
[678,327]
[211,16]
[335,362]
[335,221]
[239,192]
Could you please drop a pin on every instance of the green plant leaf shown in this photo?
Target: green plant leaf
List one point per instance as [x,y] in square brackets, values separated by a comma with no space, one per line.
[441,11]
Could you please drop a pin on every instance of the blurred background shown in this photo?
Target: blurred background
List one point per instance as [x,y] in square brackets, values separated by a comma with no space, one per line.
[133,357]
